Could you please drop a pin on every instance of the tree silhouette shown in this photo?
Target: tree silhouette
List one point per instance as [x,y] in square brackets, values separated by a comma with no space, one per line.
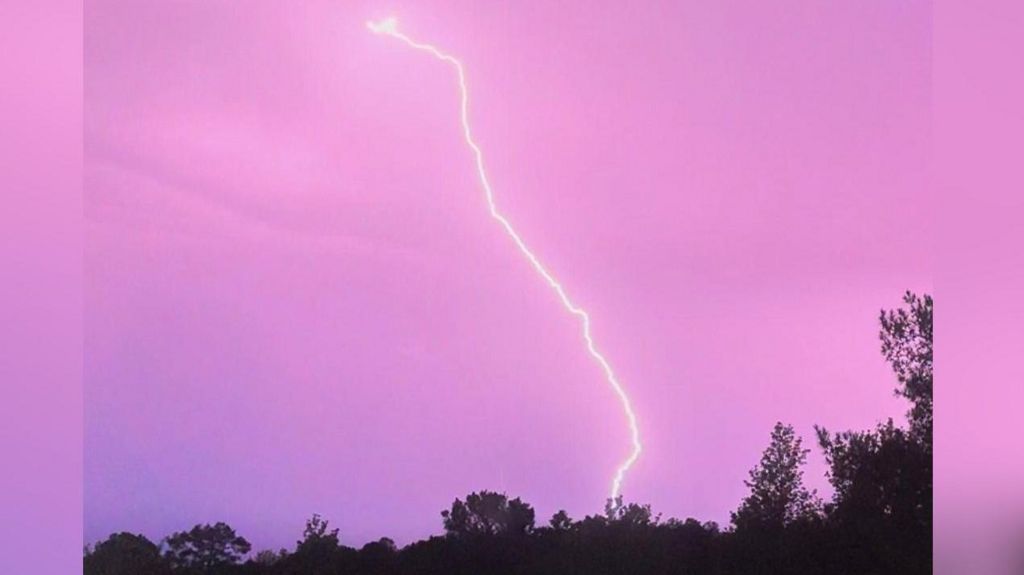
[882,507]
[319,551]
[629,515]
[205,547]
[124,554]
[777,494]
[488,513]
[906,337]
[380,556]
[560,521]
[269,557]
[317,536]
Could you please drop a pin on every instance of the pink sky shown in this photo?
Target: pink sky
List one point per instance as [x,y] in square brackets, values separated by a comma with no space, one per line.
[295,301]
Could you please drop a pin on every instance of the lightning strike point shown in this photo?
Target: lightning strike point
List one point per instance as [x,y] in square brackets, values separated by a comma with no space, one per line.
[389,27]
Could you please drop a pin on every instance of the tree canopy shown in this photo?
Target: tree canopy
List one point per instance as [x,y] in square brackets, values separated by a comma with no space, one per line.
[777,494]
[205,547]
[488,513]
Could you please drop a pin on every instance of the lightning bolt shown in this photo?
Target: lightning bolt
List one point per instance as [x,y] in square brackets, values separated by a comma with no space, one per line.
[389,27]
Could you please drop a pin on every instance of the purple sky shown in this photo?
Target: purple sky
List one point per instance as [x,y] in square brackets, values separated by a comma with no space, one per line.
[295,301]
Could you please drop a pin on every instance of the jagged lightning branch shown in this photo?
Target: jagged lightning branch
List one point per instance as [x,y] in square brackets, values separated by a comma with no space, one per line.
[389,27]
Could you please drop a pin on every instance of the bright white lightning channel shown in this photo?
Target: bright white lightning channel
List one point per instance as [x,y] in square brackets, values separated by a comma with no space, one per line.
[389,27]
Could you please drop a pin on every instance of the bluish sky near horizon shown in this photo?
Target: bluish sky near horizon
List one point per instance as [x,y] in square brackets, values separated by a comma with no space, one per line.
[296,302]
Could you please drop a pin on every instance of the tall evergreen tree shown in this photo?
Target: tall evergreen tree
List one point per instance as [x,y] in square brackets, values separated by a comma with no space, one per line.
[777,493]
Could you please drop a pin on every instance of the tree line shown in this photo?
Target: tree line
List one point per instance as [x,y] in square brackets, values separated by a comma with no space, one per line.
[878,520]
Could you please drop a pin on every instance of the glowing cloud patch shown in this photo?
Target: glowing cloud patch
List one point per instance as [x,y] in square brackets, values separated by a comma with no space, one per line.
[389,27]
